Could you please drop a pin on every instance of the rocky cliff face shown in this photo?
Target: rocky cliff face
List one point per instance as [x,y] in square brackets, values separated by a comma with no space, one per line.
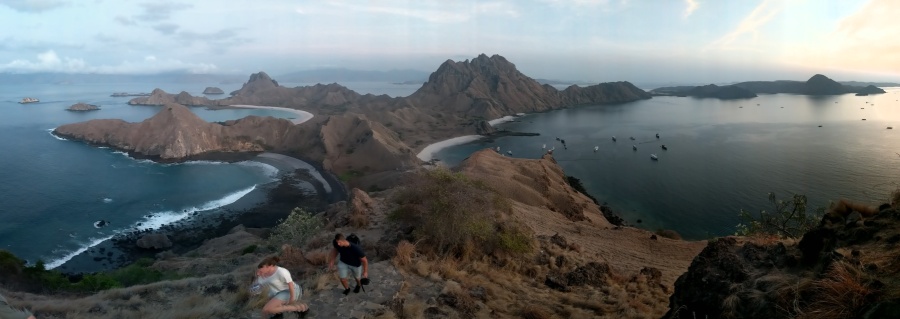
[846,268]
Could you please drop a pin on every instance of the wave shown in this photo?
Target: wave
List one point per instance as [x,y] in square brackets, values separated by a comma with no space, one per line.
[159,219]
[268,170]
[107,200]
[92,242]
[155,220]
[50,131]
[504,119]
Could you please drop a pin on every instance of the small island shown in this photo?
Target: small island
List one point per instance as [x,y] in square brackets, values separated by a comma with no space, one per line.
[82,107]
[213,90]
[124,94]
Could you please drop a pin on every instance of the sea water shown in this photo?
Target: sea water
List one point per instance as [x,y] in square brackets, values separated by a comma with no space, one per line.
[53,191]
[722,157]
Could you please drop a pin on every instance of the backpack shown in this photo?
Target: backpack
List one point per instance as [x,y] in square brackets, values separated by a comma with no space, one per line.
[353,239]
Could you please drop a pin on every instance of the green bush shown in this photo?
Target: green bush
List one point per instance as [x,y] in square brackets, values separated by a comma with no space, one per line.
[789,219]
[295,229]
[249,250]
[452,214]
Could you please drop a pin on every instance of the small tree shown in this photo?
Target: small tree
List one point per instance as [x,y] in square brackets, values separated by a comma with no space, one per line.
[295,229]
[789,219]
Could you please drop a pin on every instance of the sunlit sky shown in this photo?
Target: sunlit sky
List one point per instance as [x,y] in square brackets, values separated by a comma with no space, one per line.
[678,41]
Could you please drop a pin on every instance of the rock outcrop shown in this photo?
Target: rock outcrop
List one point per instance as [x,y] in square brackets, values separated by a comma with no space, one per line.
[846,266]
[213,91]
[82,107]
[154,241]
[539,183]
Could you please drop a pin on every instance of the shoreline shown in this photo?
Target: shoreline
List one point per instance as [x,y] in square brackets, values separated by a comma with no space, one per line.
[299,184]
[427,153]
[303,115]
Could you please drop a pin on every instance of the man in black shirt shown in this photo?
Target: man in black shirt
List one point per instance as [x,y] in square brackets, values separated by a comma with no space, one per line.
[352,257]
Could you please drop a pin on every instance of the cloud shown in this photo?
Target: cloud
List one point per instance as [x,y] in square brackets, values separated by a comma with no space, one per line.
[49,61]
[751,24]
[430,15]
[33,6]
[125,20]
[166,28]
[864,40]
[155,12]
[692,5]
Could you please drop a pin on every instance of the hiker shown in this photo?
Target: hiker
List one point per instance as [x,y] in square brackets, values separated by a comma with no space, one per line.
[8,312]
[352,257]
[283,290]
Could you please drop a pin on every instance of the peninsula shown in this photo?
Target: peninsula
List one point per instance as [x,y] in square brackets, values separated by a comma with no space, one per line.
[816,85]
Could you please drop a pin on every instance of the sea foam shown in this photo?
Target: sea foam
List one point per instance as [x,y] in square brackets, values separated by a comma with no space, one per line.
[154,220]
[50,130]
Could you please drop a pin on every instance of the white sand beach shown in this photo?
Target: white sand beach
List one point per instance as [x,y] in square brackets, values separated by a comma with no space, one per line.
[302,116]
[504,119]
[428,152]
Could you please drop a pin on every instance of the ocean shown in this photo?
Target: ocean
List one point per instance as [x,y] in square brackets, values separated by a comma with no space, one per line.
[723,156]
[53,191]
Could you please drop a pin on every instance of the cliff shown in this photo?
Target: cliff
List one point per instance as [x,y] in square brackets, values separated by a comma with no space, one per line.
[845,268]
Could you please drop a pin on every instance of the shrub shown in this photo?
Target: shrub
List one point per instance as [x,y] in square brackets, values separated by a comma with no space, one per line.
[789,219]
[453,215]
[295,229]
[249,250]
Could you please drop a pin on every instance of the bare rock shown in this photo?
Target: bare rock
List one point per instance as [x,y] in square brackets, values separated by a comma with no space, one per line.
[213,90]
[154,241]
[82,107]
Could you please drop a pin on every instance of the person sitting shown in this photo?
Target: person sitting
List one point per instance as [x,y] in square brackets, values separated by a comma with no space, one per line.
[352,257]
[283,290]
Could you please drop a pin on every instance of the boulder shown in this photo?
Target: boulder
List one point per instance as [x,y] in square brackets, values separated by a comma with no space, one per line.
[154,241]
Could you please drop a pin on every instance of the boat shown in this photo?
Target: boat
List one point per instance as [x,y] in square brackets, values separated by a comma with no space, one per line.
[634,147]
[29,100]
[631,137]
[890,127]
[509,153]
[664,147]
[544,146]
[596,148]
[614,138]
[653,157]
[657,135]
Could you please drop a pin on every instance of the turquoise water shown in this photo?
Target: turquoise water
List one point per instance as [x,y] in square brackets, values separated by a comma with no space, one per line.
[53,190]
[723,156]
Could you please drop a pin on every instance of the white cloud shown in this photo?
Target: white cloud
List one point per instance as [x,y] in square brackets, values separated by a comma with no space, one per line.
[49,61]
[435,15]
[33,5]
[751,24]
[692,6]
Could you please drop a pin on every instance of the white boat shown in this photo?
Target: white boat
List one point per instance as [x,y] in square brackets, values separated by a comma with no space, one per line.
[29,100]
[653,157]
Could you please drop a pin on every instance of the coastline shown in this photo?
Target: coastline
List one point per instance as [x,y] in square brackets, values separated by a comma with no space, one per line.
[427,153]
[303,116]
[299,184]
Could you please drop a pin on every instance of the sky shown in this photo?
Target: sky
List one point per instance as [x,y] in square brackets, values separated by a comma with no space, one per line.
[659,41]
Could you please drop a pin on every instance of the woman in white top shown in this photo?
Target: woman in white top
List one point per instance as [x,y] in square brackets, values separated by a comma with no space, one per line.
[281,287]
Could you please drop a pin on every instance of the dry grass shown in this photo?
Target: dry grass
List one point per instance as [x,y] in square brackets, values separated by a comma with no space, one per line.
[842,293]
[359,220]
[535,312]
[404,253]
[318,257]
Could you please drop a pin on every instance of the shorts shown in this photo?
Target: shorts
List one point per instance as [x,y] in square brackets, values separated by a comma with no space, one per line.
[344,270]
[283,295]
